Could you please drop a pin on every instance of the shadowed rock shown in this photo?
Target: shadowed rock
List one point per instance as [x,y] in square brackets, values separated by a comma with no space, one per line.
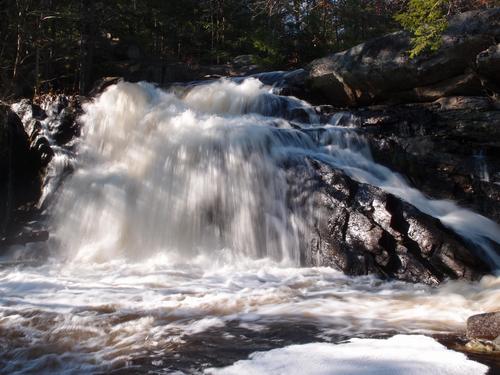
[456,140]
[19,178]
[28,136]
[380,69]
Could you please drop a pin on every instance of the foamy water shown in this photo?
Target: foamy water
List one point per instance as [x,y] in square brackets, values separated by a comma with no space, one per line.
[174,246]
[409,355]
[100,317]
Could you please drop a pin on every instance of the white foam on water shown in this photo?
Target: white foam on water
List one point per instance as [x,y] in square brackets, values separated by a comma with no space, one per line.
[109,314]
[408,355]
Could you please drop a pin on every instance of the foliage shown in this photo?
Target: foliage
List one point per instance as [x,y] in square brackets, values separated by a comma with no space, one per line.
[426,20]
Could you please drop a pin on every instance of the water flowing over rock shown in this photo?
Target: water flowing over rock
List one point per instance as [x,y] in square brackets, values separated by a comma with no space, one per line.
[380,70]
[52,128]
[38,144]
[186,227]
[238,170]
[455,140]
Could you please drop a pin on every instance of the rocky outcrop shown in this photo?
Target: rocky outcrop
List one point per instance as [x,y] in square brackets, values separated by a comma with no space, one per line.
[359,229]
[19,177]
[449,149]
[30,136]
[484,326]
[380,70]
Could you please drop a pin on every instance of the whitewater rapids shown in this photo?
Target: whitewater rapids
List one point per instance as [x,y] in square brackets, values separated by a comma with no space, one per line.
[173,248]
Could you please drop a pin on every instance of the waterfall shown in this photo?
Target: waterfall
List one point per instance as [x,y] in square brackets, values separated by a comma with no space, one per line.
[177,239]
[202,170]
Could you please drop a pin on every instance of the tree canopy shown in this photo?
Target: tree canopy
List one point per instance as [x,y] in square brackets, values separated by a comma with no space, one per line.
[66,44]
[427,20]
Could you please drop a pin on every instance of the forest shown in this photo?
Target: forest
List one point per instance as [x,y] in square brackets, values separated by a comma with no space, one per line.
[65,45]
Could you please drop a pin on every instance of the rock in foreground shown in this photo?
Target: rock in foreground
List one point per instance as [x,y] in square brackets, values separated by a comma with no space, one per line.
[484,326]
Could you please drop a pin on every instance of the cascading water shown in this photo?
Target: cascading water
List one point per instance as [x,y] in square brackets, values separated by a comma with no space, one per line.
[190,175]
[204,172]
[177,242]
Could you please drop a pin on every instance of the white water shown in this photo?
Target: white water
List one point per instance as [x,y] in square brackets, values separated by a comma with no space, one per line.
[409,355]
[175,225]
[204,172]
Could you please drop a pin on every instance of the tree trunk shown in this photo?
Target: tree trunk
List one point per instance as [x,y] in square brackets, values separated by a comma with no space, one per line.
[87,26]
[18,44]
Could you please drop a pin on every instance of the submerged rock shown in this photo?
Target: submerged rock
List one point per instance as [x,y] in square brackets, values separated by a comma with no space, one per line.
[484,326]
[380,69]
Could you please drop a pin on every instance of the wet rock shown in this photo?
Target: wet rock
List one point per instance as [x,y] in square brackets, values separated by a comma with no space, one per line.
[102,84]
[41,146]
[245,62]
[380,69]
[455,140]
[483,346]
[26,109]
[361,230]
[62,122]
[66,128]
[484,326]
[29,135]
[19,179]
[26,235]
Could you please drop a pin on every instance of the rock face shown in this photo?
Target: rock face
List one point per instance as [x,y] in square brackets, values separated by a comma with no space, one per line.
[449,149]
[381,71]
[488,67]
[19,178]
[29,136]
[436,120]
[361,230]
[484,326]
[52,122]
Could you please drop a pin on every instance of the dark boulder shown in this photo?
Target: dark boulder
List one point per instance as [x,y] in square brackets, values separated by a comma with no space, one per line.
[484,326]
[359,229]
[380,69]
[19,177]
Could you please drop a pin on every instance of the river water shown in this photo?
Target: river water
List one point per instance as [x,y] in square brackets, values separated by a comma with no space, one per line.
[174,249]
